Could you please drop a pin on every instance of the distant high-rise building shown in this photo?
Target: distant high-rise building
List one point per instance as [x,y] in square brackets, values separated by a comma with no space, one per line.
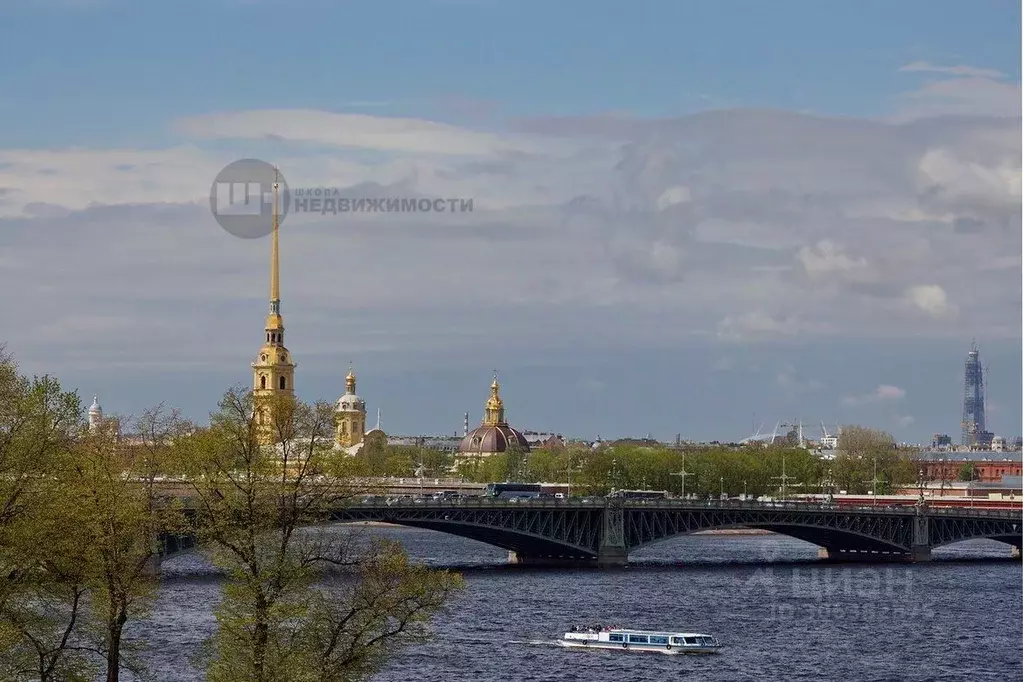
[974,421]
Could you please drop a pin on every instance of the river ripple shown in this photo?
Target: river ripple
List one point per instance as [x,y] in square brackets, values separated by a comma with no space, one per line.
[782,614]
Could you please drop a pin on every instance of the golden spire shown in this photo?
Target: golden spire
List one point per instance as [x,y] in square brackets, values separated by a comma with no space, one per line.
[350,379]
[275,283]
[274,368]
[493,414]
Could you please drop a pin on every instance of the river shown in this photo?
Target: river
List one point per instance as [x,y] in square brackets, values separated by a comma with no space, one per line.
[781,613]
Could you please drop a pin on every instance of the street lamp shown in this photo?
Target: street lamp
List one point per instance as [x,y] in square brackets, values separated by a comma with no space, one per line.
[920,483]
[744,496]
[873,483]
[421,471]
[682,474]
[722,488]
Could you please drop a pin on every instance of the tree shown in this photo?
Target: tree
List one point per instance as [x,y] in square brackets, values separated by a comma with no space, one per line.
[119,516]
[861,450]
[257,509]
[967,472]
[374,454]
[42,577]
[45,622]
[515,463]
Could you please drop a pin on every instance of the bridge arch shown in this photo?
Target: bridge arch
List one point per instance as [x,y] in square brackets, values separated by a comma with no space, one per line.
[548,533]
[816,535]
[519,542]
[1007,539]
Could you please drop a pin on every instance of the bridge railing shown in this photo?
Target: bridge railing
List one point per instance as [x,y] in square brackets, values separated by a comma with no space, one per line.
[472,502]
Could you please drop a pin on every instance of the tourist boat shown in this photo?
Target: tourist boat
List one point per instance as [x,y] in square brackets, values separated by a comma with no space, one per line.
[624,639]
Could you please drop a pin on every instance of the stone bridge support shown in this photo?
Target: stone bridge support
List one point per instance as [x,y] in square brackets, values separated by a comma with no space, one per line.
[612,550]
[921,548]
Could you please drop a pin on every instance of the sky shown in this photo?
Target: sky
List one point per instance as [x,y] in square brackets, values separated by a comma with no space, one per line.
[688,218]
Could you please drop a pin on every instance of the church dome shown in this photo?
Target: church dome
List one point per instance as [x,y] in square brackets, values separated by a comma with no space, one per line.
[486,440]
[494,435]
[350,402]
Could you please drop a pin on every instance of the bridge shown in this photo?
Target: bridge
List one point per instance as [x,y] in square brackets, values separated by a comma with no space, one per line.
[603,531]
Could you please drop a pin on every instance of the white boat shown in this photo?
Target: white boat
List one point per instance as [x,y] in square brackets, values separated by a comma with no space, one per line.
[624,639]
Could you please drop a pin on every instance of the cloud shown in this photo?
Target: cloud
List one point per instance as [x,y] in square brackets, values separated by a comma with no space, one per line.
[882,394]
[931,299]
[905,421]
[755,324]
[678,194]
[408,135]
[953,70]
[964,91]
[613,232]
[829,258]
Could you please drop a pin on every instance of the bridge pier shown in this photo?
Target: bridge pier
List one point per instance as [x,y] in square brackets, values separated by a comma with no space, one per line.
[612,550]
[610,557]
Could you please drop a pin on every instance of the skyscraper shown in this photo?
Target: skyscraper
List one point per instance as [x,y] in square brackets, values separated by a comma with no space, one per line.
[974,423]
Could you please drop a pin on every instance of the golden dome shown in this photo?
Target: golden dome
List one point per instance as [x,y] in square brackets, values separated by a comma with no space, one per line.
[494,411]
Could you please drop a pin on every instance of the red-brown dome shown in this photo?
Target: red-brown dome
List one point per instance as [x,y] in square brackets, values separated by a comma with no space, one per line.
[487,440]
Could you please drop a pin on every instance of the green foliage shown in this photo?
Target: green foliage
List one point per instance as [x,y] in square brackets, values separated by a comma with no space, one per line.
[861,452]
[42,573]
[80,513]
[258,509]
[755,470]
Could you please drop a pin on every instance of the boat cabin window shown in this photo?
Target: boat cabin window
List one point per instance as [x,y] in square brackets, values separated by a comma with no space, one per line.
[691,640]
[638,639]
[677,640]
[616,637]
[658,639]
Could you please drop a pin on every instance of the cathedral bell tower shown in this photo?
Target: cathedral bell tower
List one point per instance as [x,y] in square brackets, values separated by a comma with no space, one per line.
[273,372]
[350,415]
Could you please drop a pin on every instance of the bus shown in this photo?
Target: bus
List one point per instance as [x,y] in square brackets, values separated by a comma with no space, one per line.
[506,491]
[640,494]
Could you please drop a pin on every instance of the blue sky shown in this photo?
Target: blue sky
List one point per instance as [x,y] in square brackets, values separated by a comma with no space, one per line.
[119,72]
[687,212]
